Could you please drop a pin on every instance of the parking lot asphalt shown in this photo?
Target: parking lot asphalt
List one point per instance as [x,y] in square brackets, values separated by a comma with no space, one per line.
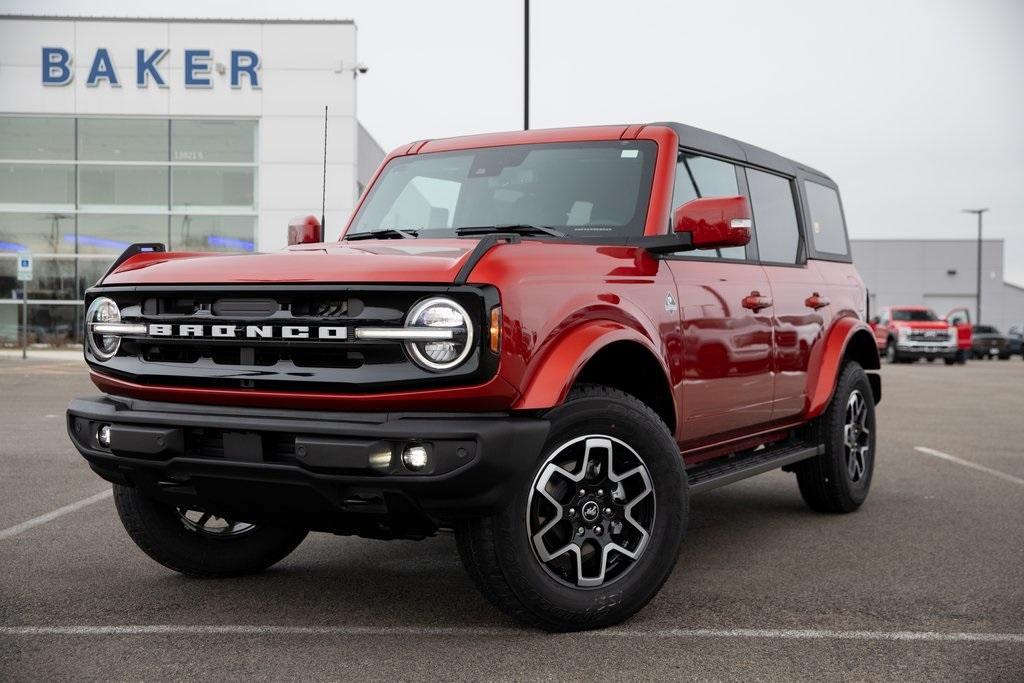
[924,582]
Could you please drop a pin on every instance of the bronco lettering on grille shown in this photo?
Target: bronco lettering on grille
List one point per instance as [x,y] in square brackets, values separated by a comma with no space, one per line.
[249,331]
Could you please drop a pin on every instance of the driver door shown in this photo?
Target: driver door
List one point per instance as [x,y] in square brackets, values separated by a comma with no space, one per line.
[727,337]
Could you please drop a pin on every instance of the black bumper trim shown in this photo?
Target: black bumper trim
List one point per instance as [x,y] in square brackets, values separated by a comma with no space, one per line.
[311,467]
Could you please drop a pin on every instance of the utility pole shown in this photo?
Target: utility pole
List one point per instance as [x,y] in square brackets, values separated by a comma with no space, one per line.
[977,305]
[526,65]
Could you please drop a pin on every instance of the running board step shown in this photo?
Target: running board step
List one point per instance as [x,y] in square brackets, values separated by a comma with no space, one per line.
[711,476]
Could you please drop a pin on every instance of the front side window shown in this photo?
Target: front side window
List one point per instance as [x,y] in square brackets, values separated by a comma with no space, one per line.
[828,230]
[775,224]
[586,189]
[698,177]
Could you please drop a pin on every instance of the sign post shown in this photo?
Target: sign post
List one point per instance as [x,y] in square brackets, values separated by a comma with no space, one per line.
[24,277]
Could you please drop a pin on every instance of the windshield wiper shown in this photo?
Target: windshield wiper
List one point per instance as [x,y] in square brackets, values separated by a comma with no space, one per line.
[384,234]
[520,229]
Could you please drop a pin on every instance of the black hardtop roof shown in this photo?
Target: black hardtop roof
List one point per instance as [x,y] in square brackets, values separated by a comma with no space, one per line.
[720,145]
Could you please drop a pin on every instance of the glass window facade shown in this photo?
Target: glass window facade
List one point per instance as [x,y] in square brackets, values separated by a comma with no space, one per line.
[76,192]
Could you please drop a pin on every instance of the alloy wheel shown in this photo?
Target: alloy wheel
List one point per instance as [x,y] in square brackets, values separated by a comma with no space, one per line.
[591,511]
[209,524]
[856,436]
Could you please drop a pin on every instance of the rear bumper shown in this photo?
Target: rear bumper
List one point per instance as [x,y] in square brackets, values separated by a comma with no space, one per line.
[339,472]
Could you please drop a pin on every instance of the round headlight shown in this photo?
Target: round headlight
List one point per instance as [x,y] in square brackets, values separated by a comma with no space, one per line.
[455,338]
[102,310]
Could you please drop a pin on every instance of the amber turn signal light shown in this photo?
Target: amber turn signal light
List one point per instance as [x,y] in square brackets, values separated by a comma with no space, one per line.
[495,329]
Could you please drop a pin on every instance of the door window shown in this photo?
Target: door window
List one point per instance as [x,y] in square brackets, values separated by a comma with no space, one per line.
[698,177]
[827,228]
[775,224]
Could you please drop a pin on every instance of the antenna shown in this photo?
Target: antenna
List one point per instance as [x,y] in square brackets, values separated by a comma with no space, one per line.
[323,196]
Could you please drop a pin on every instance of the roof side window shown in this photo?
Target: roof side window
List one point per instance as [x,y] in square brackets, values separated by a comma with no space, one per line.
[828,231]
[698,177]
[775,223]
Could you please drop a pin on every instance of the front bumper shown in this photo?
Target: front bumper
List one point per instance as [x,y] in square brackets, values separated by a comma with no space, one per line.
[338,472]
[924,349]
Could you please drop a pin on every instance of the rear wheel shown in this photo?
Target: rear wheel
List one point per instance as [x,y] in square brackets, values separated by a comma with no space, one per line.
[590,537]
[838,479]
[198,543]
[949,361]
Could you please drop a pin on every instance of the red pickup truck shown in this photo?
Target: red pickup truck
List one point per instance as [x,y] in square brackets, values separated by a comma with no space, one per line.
[904,334]
[546,341]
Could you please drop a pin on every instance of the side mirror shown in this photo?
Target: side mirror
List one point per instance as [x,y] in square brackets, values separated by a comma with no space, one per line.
[304,230]
[714,222]
[875,320]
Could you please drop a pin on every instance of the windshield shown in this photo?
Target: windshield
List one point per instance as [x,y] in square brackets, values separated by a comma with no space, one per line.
[582,189]
[919,315]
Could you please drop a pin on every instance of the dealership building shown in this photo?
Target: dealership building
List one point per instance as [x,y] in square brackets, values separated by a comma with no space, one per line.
[940,274]
[203,135]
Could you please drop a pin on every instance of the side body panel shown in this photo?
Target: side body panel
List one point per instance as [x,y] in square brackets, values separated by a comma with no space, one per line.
[727,349]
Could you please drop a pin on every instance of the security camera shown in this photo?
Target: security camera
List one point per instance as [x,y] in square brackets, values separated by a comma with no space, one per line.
[362,68]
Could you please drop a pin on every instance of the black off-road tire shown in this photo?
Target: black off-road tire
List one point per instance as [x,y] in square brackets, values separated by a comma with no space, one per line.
[159,531]
[949,361]
[498,551]
[826,483]
[892,354]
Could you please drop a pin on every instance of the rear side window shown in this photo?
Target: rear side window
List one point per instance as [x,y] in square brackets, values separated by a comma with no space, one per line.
[775,224]
[828,231]
[698,177]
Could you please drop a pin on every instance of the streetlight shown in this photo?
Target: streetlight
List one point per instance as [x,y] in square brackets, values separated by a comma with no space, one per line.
[977,305]
[526,65]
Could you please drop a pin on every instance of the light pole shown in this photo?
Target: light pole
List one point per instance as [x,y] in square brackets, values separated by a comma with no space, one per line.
[526,65]
[977,305]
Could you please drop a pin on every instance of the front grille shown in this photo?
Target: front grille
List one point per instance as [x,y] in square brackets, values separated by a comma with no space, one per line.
[318,361]
[929,335]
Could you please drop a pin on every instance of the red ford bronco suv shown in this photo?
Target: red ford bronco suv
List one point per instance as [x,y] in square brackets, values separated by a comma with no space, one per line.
[546,341]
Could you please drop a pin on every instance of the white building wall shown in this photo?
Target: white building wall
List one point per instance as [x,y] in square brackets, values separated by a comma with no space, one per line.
[941,274]
[304,67]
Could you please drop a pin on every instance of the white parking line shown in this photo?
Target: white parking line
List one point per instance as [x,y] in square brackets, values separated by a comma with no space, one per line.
[59,512]
[680,633]
[973,465]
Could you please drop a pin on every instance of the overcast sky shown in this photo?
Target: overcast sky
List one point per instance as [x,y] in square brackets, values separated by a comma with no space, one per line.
[915,107]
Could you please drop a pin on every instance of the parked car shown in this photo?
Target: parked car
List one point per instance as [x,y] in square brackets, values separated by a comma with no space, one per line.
[545,341]
[1015,340]
[989,343]
[906,333]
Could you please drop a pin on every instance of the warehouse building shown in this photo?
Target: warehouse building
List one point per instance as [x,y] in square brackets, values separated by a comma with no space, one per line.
[203,135]
[940,274]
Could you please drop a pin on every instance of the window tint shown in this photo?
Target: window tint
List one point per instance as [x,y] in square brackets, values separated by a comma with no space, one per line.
[775,224]
[585,189]
[914,315]
[827,229]
[698,177]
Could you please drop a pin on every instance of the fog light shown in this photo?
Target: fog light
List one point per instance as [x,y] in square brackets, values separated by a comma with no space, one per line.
[414,458]
[103,436]
[380,459]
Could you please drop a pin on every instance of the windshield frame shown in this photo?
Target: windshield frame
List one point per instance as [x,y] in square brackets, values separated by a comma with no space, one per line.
[648,195]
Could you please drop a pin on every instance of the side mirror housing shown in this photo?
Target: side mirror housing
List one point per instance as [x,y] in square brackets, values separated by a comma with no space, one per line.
[714,222]
[304,230]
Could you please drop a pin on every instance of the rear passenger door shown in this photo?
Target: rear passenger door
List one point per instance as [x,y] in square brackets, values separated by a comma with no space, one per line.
[800,310]
[727,383]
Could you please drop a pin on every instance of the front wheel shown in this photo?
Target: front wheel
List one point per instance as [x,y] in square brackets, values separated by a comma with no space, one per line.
[892,355]
[838,479]
[198,543]
[591,535]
